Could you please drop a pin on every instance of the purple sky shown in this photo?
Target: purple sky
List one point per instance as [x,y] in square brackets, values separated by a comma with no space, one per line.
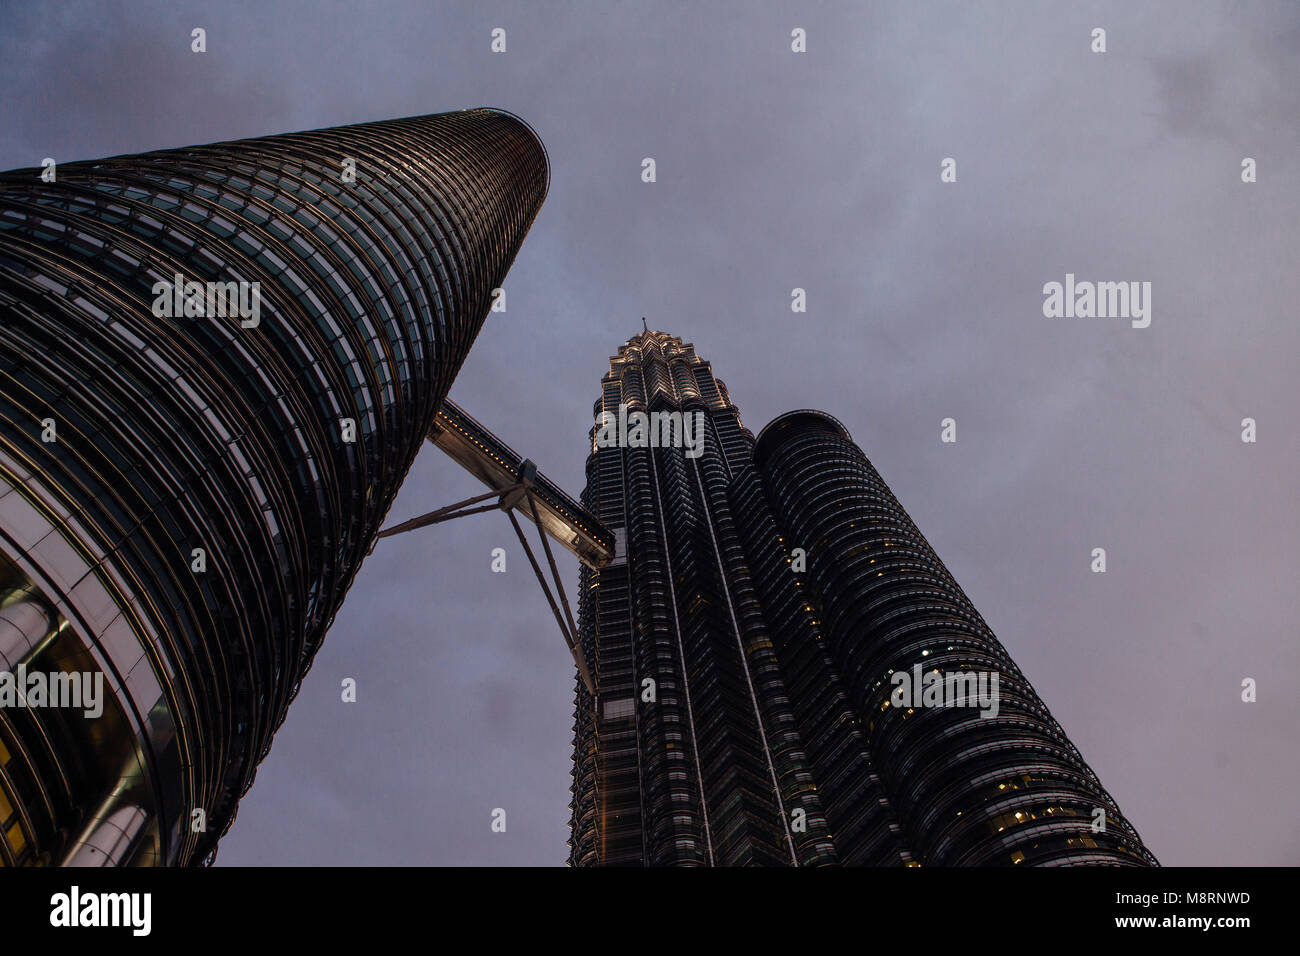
[817,170]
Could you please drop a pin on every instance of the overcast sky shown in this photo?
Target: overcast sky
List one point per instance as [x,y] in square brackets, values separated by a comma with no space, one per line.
[818,170]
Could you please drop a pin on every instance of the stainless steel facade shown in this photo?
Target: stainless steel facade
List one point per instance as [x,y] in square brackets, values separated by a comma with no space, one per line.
[184,500]
[745,642]
[968,786]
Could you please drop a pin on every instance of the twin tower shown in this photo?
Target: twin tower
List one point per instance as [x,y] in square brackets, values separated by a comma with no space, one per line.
[788,674]
[186,495]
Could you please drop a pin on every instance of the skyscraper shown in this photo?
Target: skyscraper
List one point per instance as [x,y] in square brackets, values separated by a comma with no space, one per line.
[217,364]
[786,673]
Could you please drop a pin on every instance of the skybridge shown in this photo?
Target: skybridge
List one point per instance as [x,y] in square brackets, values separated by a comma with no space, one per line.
[519,488]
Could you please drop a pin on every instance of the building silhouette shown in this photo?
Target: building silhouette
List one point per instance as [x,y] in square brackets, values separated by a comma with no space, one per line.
[217,364]
[767,601]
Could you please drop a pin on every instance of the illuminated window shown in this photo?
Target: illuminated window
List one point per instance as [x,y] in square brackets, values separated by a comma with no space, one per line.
[17,842]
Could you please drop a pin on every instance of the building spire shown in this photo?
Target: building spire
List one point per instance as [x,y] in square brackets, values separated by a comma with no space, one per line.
[644,327]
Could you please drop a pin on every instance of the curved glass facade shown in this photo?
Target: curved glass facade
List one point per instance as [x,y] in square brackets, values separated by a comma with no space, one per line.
[190,479]
[972,783]
[770,591]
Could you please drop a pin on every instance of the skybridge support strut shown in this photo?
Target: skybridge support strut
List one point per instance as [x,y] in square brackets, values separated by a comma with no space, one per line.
[520,496]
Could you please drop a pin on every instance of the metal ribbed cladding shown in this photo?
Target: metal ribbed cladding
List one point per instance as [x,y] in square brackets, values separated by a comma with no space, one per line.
[709,773]
[175,434]
[847,793]
[969,790]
